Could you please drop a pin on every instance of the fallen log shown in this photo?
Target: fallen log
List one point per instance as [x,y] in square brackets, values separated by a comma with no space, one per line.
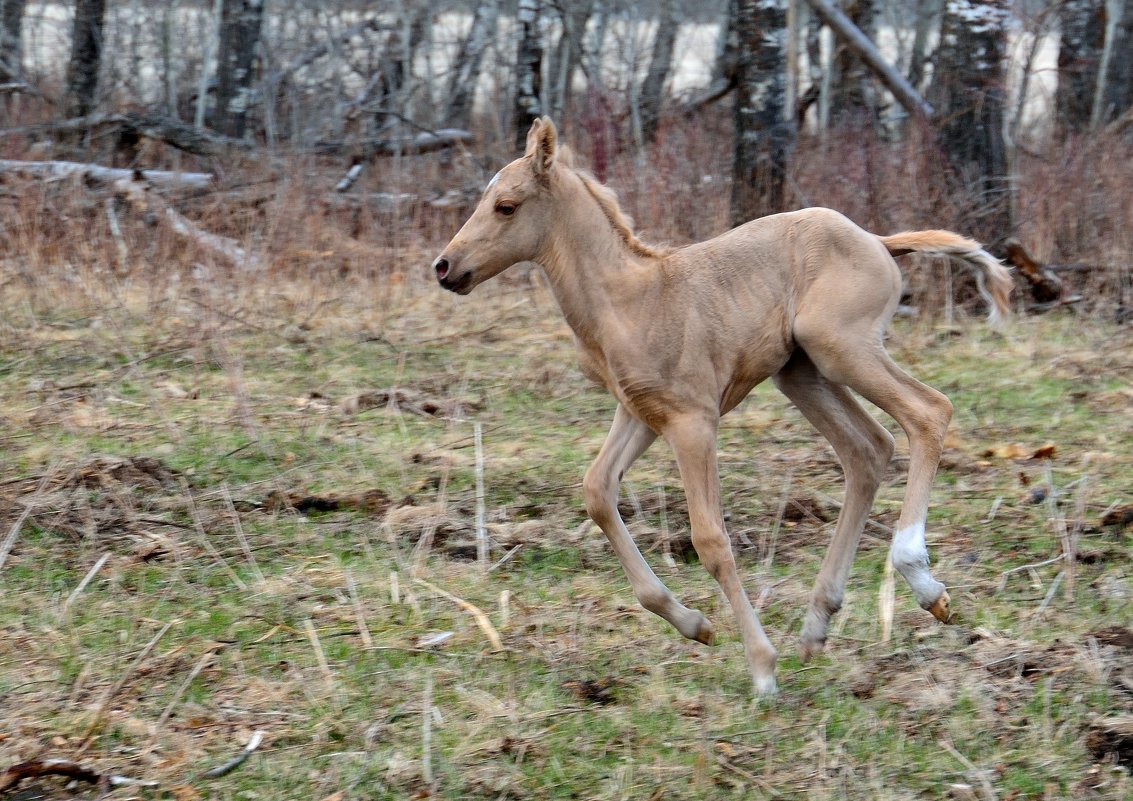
[175,133]
[405,145]
[99,174]
[63,767]
[137,193]
[1045,285]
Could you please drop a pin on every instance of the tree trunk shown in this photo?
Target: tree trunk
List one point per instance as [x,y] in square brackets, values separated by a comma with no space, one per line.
[466,68]
[660,62]
[849,81]
[86,57]
[397,66]
[1115,95]
[969,97]
[168,60]
[11,40]
[1079,56]
[763,134]
[240,24]
[528,70]
[927,18]
[564,61]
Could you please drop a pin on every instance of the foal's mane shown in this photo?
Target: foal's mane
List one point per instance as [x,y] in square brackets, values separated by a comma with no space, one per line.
[621,223]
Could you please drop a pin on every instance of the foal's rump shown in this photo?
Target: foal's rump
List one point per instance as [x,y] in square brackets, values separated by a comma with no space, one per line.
[828,236]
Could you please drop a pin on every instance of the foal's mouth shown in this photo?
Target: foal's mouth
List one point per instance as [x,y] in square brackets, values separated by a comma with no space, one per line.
[460,286]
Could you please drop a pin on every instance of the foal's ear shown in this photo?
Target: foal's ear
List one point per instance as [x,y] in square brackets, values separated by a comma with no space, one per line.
[541,145]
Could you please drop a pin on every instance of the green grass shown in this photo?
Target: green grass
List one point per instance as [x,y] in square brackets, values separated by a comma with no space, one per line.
[232,412]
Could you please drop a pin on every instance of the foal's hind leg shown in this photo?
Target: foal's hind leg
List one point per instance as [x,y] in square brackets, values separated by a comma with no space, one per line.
[627,440]
[864,448]
[850,352]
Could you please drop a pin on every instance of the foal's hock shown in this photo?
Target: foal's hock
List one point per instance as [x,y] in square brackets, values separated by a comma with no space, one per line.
[680,335]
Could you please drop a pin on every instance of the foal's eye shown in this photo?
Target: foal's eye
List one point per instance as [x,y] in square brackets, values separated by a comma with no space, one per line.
[506,209]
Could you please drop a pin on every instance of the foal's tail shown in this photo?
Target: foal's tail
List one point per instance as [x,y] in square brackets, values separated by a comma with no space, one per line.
[992,278]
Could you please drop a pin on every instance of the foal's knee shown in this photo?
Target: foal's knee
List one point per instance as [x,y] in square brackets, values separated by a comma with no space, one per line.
[600,494]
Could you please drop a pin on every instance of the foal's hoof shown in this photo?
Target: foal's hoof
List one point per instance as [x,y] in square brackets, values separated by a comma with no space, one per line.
[809,649]
[764,687]
[942,608]
[705,633]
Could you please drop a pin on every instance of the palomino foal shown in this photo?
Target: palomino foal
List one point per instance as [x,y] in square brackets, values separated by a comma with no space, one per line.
[680,335]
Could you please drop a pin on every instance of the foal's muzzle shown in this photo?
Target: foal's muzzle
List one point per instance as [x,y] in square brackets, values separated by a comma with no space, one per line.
[445,277]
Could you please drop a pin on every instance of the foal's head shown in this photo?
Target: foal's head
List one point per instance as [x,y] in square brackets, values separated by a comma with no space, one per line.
[511,221]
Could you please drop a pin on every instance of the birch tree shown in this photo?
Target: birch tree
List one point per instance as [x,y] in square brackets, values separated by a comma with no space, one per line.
[1114,95]
[396,67]
[466,68]
[11,40]
[763,135]
[528,70]
[563,63]
[86,57]
[660,64]
[240,24]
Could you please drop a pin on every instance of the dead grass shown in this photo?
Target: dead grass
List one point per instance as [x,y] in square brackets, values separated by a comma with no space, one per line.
[265,462]
[183,444]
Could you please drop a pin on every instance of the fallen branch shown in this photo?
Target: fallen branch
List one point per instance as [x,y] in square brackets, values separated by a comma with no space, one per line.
[99,174]
[477,613]
[709,95]
[35,768]
[864,49]
[175,133]
[1045,286]
[405,145]
[136,192]
[238,760]
[348,180]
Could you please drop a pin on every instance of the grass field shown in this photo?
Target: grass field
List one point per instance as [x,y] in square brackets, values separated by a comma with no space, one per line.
[227,512]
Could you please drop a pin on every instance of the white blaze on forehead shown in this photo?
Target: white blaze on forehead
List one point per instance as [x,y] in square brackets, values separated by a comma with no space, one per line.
[492,182]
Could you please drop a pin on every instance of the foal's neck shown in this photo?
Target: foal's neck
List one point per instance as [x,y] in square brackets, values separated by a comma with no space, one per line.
[591,267]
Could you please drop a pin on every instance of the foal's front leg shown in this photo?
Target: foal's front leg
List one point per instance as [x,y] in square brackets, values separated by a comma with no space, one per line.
[694,441]
[627,440]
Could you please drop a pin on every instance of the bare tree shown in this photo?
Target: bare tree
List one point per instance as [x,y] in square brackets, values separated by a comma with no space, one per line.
[86,57]
[926,20]
[240,24]
[757,31]
[11,41]
[1114,95]
[466,68]
[528,70]
[969,97]
[1079,56]
[660,63]
[573,17]
[849,78]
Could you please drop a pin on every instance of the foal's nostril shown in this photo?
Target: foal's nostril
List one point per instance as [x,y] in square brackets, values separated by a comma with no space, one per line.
[441,266]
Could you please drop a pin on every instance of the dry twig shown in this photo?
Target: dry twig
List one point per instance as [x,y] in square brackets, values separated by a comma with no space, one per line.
[477,613]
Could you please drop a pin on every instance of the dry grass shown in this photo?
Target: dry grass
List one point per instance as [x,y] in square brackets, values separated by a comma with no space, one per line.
[216,456]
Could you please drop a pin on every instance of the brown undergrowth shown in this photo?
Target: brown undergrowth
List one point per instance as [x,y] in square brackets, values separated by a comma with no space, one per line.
[238,500]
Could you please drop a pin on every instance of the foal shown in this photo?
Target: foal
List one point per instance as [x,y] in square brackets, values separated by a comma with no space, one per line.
[680,335]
